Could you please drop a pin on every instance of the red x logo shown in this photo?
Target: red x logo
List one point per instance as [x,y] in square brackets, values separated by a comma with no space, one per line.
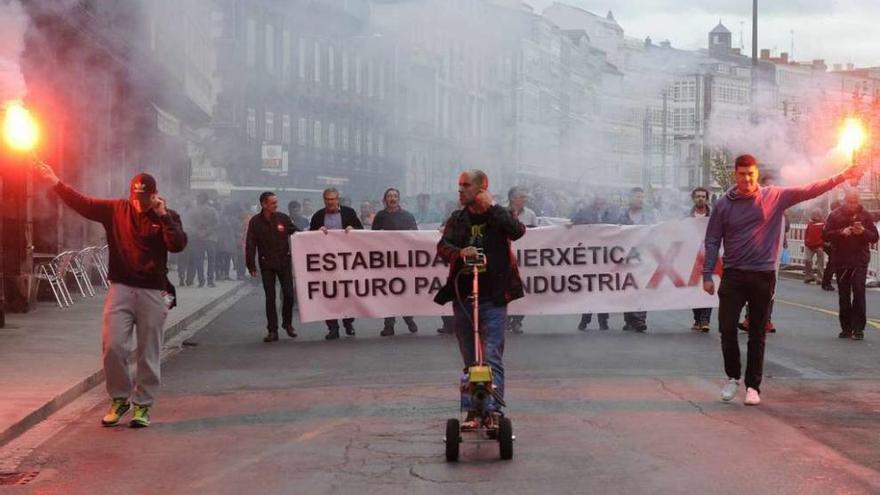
[666,266]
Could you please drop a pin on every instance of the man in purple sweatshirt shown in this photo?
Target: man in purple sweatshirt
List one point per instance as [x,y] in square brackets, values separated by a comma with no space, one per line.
[748,220]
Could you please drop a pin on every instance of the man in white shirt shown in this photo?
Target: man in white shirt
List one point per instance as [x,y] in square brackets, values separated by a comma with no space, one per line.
[516,199]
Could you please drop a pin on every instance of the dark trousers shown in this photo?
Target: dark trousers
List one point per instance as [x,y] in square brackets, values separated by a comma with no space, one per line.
[200,249]
[334,324]
[448,322]
[828,274]
[600,317]
[183,266]
[390,321]
[769,311]
[636,319]
[285,277]
[239,265]
[738,288]
[851,296]
[224,258]
[702,315]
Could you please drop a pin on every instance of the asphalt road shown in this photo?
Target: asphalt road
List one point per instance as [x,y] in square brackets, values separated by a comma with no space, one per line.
[594,412]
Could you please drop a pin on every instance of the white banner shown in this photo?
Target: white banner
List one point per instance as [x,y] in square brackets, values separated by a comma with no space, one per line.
[565,270]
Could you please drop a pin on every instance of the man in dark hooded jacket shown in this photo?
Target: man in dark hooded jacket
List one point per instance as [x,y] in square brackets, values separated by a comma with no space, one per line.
[851,230]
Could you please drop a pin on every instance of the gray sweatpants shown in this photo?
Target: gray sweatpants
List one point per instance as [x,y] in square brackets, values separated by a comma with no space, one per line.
[124,309]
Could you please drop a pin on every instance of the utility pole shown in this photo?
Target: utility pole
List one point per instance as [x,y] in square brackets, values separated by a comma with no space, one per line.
[754,33]
[754,80]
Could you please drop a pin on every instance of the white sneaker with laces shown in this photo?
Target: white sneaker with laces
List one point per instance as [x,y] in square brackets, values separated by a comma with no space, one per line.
[753,398]
[729,390]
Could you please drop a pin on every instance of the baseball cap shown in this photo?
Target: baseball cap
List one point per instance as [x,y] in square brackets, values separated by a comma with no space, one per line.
[142,186]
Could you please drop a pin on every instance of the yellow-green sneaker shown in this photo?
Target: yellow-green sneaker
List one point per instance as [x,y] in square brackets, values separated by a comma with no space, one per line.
[141,417]
[117,409]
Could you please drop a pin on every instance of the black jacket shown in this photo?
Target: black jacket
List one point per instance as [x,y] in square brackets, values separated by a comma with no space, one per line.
[501,229]
[591,216]
[301,222]
[398,220]
[138,245]
[349,219]
[270,239]
[853,250]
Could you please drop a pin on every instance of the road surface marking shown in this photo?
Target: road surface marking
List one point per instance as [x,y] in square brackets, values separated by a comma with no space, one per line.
[873,323]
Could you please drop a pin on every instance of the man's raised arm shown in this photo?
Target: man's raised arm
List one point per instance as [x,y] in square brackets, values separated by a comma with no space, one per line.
[98,210]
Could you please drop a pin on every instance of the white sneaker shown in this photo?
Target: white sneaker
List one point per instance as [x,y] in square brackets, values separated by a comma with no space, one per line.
[753,398]
[729,390]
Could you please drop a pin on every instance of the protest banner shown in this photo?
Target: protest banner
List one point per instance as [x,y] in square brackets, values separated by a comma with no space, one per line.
[565,270]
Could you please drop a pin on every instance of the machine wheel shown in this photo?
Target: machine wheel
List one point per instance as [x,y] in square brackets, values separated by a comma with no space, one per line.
[505,438]
[453,439]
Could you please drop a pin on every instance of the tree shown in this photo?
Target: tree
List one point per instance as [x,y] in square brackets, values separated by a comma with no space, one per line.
[719,167]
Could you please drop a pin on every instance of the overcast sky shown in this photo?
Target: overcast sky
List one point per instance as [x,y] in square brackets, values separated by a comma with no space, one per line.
[838,31]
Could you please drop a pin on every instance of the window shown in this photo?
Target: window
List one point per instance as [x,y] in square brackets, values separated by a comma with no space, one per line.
[683,119]
[331,136]
[285,55]
[270,48]
[331,66]
[285,129]
[732,92]
[317,62]
[369,79]
[251,42]
[357,141]
[251,123]
[369,142]
[381,81]
[270,127]
[380,144]
[301,132]
[344,138]
[302,58]
[357,75]
[318,136]
[344,70]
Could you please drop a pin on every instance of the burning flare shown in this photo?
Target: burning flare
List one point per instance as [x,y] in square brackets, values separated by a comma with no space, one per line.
[852,136]
[20,129]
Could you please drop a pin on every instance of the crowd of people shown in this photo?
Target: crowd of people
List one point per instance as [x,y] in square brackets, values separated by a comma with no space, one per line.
[747,222]
[632,209]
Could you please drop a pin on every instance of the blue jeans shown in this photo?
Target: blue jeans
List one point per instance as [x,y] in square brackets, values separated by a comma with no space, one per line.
[493,320]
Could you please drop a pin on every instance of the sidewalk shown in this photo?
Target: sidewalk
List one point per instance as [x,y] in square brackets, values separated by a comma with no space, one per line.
[51,356]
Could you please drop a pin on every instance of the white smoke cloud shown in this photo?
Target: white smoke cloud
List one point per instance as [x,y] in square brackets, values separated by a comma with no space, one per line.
[799,150]
[13,23]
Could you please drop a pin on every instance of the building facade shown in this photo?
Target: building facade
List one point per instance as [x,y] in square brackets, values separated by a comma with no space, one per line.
[305,102]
